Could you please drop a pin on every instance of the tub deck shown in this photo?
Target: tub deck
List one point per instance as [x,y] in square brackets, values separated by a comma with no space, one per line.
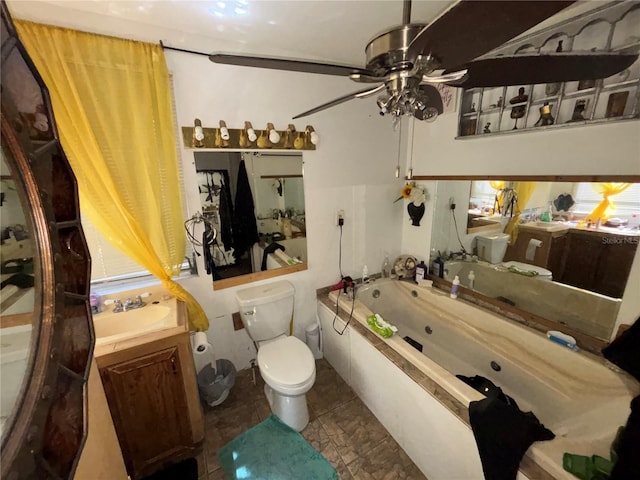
[574,394]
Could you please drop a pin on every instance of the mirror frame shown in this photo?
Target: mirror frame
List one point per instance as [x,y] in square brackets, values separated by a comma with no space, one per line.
[587,342]
[47,429]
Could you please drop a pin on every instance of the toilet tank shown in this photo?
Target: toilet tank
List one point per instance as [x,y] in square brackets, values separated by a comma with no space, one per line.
[266,310]
[492,246]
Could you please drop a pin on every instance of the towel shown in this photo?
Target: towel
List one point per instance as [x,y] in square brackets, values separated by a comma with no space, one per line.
[623,351]
[503,434]
[245,228]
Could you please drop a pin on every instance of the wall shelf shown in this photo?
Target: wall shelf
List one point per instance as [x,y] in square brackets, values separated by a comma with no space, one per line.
[614,27]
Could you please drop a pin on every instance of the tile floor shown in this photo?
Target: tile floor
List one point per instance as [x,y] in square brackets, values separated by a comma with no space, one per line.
[341,427]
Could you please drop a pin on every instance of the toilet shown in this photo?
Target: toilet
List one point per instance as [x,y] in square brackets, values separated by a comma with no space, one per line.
[285,362]
[492,246]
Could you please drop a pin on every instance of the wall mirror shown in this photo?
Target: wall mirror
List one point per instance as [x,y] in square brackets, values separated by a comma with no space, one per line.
[18,307]
[46,334]
[560,268]
[254,211]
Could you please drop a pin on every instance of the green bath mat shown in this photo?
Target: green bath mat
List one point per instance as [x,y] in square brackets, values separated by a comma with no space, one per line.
[273,451]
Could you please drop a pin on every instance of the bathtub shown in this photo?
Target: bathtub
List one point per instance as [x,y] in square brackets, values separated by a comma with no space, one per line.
[573,394]
[582,310]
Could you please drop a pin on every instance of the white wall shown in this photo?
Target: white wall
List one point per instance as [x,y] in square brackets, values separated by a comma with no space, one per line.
[352,169]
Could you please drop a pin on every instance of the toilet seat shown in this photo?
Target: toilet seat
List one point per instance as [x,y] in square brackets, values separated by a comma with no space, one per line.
[543,273]
[287,365]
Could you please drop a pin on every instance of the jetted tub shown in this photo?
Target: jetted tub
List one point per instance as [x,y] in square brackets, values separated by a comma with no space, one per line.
[573,394]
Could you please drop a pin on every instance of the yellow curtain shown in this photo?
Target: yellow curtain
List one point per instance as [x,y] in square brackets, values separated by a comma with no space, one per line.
[112,104]
[524,191]
[605,209]
[498,186]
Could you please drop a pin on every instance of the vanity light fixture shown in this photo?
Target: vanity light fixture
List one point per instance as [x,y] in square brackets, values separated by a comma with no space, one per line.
[224,131]
[274,136]
[198,134]
[251,133]
[314,138]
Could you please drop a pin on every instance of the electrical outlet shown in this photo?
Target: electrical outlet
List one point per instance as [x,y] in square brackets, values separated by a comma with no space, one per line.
[340,218]
[452,203]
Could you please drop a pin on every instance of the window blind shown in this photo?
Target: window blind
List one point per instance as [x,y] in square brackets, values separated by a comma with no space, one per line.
[626,203]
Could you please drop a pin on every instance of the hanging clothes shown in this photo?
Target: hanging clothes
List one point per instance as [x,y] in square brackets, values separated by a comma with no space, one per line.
[245,229]
[226,216]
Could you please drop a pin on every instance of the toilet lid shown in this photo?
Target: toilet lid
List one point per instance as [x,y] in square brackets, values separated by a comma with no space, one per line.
[287,361]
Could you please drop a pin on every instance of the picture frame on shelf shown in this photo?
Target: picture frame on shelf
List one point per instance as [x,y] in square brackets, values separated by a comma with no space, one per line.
[616,104]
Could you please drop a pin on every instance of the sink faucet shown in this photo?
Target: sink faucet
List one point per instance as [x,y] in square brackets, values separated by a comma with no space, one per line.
[129,304]
[117,305]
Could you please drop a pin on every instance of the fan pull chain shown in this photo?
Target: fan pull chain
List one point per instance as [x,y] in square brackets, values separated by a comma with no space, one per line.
[399,148]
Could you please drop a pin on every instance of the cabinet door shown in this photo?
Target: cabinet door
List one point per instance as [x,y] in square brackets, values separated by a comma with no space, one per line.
[149,408]
[582,255]
[615,264]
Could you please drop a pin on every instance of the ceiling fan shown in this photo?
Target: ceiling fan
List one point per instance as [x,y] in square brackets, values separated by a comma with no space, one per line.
[406,62]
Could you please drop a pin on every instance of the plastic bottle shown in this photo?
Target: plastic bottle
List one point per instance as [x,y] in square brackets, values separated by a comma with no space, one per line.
[365,275]
[421,271]
[472,278]
[454,287]
[438,267]
[386,267]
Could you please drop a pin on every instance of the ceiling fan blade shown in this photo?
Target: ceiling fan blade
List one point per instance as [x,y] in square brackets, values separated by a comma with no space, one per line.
[470,29]
[531,69]
[285,64]
[346,98]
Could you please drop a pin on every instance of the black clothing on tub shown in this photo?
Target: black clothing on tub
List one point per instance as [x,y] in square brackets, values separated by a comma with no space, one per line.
[502,431]
[628,464]
[623,351]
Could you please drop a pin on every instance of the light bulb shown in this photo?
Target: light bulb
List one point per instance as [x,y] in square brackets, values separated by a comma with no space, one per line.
[274,137]
[314,138]
[198,133]
[224,131]
[251,133]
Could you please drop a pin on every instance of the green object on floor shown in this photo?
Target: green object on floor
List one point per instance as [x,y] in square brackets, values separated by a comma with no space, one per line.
[587,468]
[273,451]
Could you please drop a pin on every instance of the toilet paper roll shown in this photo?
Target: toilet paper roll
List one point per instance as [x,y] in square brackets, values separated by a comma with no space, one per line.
[531,248]
[202,351]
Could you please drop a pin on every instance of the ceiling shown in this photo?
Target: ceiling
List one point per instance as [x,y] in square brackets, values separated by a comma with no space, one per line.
[334,31]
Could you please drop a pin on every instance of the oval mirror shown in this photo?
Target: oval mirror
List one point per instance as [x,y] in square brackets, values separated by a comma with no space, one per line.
[46,336]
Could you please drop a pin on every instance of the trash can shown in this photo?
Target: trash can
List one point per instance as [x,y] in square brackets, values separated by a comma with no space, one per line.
[215,384]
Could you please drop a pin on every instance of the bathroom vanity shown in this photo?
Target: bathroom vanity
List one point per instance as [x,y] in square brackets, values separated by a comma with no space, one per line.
[150,384]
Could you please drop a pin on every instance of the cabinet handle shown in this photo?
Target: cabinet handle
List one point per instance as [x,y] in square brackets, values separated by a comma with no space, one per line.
[174,366]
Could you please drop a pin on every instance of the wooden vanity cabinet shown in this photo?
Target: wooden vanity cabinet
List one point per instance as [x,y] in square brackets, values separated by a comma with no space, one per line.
[153,398]
[548,255]
[598,261]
